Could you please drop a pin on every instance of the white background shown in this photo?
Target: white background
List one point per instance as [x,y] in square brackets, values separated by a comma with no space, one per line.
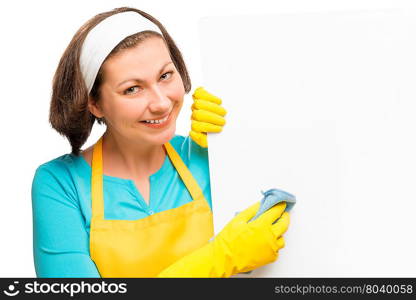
[322,105]
[34,36]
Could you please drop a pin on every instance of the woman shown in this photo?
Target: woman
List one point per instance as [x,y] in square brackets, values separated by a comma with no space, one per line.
[137,203]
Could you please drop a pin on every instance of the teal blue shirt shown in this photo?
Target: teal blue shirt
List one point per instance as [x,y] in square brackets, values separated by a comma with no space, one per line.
[61,205]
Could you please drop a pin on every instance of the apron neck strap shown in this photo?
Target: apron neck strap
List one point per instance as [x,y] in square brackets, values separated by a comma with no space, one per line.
[187,178]
[97,197]
[97,194]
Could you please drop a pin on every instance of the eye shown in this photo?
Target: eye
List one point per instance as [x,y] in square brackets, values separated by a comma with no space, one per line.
[131,90]
[170,72]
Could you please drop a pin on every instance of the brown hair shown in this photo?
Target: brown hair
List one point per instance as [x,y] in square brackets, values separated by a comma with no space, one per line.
[69,113]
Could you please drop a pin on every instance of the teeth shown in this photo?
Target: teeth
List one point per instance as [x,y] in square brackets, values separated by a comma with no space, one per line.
[157,121]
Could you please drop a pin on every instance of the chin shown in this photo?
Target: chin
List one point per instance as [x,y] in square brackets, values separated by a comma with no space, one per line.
[165,136]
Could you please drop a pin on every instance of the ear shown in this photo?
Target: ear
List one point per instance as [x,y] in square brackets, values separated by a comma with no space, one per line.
[94,107]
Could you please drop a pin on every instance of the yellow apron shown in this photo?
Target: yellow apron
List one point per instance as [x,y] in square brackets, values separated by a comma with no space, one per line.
[145,247]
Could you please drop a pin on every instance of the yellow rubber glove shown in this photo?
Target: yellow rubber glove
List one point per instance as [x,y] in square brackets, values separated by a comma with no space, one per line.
[207,116]
[241,246]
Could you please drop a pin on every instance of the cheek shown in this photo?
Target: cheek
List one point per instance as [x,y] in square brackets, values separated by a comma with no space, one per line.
[126,111]
[178,92]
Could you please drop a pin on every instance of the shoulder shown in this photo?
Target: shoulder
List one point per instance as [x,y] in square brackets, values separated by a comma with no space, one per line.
[193,155]
[57,166]
[56,177]
[196,158]
[177,141]
[187,148]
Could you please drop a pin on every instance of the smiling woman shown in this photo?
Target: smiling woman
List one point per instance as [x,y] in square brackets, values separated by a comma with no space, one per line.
[137,201]
[104,76]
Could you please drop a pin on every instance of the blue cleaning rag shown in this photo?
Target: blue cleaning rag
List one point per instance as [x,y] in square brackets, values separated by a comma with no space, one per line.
[271,198]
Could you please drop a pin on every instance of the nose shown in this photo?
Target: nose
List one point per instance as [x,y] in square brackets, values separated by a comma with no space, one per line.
[159,101]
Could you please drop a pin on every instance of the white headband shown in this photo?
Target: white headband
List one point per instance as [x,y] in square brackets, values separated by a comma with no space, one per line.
[102,39]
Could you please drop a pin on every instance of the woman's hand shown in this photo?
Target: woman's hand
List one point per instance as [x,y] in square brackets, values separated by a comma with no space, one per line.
[241,246]
[249,245]
[207,116]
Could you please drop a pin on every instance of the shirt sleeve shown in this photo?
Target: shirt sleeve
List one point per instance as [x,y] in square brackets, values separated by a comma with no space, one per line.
[60,239]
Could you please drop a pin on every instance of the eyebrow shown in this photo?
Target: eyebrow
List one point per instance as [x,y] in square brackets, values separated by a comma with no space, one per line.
[141,80]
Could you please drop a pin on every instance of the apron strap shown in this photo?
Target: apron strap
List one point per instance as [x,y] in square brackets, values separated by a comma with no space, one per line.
[97,195]
[187,177]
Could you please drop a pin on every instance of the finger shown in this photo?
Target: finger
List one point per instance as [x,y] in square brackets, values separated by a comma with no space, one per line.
[272,214]
[275,257]
[205,127]
[249,212]
[200,138]
[208,117]
[280,243]
[201,93]
[280,227]
[209,106]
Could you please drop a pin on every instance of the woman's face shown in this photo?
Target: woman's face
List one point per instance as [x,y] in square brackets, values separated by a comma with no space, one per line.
[139,84]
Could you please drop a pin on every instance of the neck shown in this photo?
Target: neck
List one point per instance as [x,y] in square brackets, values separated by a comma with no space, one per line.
[136,160]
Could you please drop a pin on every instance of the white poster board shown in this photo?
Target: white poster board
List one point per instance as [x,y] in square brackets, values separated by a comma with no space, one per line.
[321,105]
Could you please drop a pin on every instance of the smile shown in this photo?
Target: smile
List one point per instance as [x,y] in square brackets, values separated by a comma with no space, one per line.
[160,123]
